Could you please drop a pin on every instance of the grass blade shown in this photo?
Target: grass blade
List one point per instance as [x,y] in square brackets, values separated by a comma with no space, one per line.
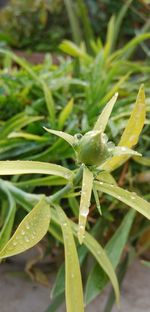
[102,121]
[97,279]
[87,184]
[74,292]
[27,167]
[130,199]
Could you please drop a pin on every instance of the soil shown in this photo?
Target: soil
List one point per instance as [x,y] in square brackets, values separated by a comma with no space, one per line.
[19,294]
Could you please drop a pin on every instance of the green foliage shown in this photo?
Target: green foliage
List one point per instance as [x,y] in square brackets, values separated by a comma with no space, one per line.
[59,109]
[36,223]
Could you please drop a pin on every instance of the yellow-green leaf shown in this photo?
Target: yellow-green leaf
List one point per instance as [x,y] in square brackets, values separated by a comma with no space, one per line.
[102,121]
[132,131]
[74,292]
[63,135]
[87,184]
[30,231]
[130,199]
[65,114]
[26,167]
[145,161]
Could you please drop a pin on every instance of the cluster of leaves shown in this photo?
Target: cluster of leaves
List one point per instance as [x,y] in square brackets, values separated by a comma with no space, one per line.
[69,97]
[52,18]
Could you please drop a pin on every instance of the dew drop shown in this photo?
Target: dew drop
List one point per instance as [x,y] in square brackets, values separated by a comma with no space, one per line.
[27,239]
[99,252]
[23,232]
[72,275]
[84,213]
[133,197]
[119,197]
[65,224]
[14,243]
[101,183]
[27,226]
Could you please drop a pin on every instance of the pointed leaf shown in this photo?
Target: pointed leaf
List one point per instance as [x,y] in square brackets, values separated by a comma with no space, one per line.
[74,292]
[130,199]
[86,191]
[102,121]
[30,231]
[145,161]
[122,150]
[67,137]
[132,131]
[27,167]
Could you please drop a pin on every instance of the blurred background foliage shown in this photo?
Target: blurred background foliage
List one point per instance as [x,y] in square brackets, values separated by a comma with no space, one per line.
[40,25]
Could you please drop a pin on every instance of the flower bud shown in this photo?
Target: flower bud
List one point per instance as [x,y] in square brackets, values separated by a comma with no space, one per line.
[92,149]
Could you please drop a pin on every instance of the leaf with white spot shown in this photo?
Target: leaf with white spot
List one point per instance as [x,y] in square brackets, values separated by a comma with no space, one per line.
[11,167]
[131,133]
[63,135]
[122,150]
[102,121]
[74,291]
[30,231]
[130,199]
[87,184]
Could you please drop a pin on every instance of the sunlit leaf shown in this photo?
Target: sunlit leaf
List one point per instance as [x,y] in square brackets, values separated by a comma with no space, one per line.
[122,150]
[102,121]
[67,137]
[30,231]
[132,131]
[74,292]
[27,167]
[130,199]
[86,191]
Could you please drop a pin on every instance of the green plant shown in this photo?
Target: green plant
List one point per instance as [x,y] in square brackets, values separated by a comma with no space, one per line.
[94,175]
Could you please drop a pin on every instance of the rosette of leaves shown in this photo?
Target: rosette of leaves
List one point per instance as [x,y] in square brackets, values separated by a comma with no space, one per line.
[94,155]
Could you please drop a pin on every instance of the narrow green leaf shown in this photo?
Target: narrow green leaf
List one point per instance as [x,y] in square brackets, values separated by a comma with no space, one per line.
[145,161]
[17,122]
[73,50]
[102,121]
[8,224]
[74,292]
[103,260]
[130,199]
[122,150]
[49,101]
[86,191]
[30,231]
[132,131]
[114,89]
[109,37]
[63,135]
[97,279]
[65,114]
[96,196]
[26,167]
